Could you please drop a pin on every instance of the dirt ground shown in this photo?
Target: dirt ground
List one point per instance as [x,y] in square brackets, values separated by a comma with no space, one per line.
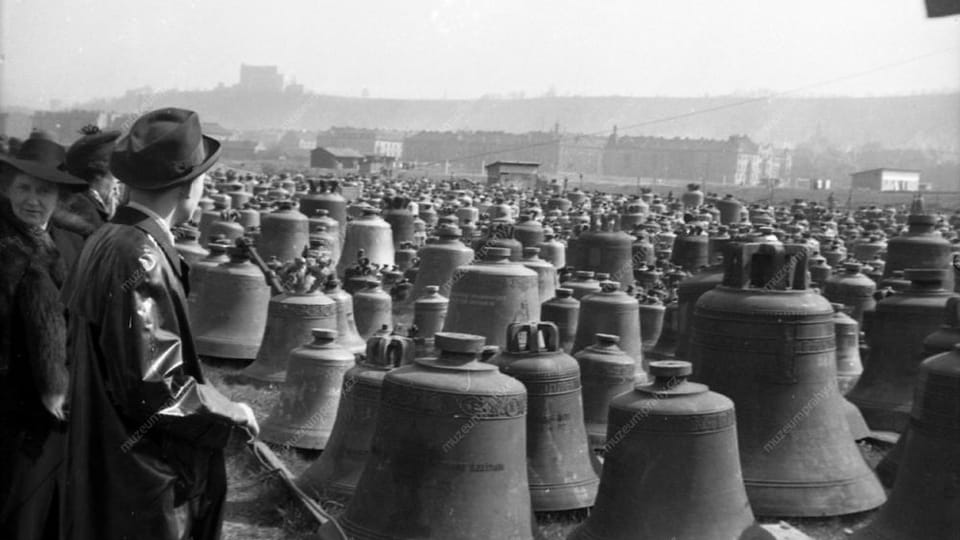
[260,507]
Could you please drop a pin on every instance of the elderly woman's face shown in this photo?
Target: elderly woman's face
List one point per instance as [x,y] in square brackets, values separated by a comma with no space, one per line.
[33,200]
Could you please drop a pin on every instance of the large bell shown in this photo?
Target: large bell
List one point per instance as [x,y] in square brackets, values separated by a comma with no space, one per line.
[217,256]
[284,233]
[326,195]
[564,311]
[334,475]
[372,307]
[305,413]
[371,234]
[605,248]
[689,290]
[558,456]
[546,272]
[400,218]
[765,340]
[489,295]
[941,341]
[925,501]
[232,309]
[605,372]
[582,284]
[920,247]
[440,260]
[853,289]
[429,313]
[448,453]
[347,335]
[611,311]
[849,366]
[897,329]
[291,319]
[671,469]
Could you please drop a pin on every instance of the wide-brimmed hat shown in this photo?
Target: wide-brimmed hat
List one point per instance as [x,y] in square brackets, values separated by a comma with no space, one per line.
[42,158]
[165,148]
[90,154]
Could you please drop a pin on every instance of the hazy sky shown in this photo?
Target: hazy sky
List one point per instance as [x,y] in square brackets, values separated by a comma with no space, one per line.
[79,49]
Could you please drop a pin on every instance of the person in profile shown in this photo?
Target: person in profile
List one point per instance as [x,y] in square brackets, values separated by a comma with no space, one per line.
[147,431]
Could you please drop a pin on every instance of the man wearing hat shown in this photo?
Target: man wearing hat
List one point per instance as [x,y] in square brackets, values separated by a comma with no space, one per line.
[33,344]
[84,212]
[147,431]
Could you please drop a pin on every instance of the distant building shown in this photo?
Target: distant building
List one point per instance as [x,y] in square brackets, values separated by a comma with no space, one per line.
[517,173]
[468,151]
[734,161]
[341,159]
[366,141]
[260,79]
[884,179]
[374,164]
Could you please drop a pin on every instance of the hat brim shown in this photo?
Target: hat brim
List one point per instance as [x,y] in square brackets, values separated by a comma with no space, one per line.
[128,174]
[43,172]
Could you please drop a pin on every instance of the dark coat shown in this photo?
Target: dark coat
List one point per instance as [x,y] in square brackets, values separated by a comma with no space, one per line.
[32,364]
[76,218]
[146,435]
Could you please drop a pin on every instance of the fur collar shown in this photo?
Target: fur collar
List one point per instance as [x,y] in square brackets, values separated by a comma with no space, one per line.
[79,214]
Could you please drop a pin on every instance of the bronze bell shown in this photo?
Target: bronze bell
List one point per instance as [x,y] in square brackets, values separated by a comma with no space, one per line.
[372,307]
[847,333]
[897,329]
[546,272]
[943,340]
[231,313]
[558,456]
[291,318]
[347,335]
[284,233]
[671,469]
[925,501]
[564,311]
[304,415]
[429,312]
[336,472]
[490,294]
[611,311]
[372,234]
[448,453]
[765,340]
[605,372]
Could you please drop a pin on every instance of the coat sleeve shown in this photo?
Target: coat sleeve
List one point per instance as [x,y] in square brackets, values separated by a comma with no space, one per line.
[38,300]
[142,358]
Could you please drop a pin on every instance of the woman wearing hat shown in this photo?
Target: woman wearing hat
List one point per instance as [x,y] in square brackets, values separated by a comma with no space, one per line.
[146,435]
[33,372]
[84,212]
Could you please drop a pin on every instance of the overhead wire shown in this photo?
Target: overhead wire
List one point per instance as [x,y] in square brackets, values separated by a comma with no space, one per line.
[716,108]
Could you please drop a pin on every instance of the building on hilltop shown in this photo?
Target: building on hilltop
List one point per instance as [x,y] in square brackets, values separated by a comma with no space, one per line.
[260,79]
[885,179]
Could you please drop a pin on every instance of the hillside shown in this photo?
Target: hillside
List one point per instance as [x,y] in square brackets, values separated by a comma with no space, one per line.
[929,121]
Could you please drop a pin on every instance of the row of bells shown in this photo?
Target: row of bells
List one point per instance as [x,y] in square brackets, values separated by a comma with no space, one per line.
[476,297]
